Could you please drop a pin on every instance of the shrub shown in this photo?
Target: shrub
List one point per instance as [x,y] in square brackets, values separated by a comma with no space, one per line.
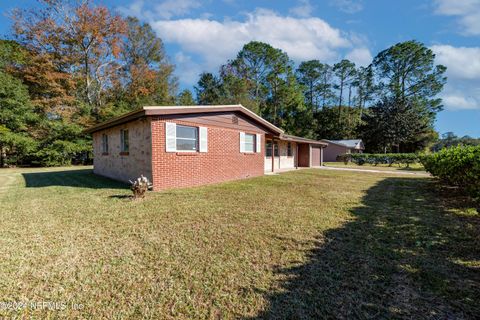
[380,158]
[457,166]
[346,158]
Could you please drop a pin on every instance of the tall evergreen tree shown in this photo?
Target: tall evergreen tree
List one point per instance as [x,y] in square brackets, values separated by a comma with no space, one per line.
[316,78]
[208,89]
[409,83]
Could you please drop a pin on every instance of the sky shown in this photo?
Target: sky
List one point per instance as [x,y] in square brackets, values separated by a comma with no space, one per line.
[200,35]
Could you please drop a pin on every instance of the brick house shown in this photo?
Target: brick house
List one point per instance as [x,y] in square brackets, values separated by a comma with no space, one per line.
[196,145]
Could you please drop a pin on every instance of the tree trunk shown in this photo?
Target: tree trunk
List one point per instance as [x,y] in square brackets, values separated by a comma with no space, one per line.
[2,157]
[350,96]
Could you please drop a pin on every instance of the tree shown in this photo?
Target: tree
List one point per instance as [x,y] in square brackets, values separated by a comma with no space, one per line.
[449,139]
[260,65]
[391,123]
[147,72]
[316,78]
[345,72]
[407,70]
[208,89]
[365,87]
[185,98]
[329,125]
[16,113]
[409,83]
[79,39]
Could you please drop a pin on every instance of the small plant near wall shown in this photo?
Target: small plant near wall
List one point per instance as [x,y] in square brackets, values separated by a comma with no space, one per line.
[139,187]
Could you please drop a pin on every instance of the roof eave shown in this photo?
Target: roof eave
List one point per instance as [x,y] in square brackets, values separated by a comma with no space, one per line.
[172,110]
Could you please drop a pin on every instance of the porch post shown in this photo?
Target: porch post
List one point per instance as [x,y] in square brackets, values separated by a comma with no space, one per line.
[309,155]
[321,156]
[296,155]
[273,155]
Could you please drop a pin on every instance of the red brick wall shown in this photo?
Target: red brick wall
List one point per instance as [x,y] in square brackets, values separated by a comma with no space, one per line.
[222,162]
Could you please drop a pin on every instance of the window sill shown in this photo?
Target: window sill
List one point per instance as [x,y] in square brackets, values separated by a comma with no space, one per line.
[250,153]
[187,153]
[124,153]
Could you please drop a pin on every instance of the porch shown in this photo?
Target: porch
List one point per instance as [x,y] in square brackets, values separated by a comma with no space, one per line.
[287,152]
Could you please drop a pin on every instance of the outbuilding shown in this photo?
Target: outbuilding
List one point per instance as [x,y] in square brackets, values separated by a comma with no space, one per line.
[339,147]
[181,146]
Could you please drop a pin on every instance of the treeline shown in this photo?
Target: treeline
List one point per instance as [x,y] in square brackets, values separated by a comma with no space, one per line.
[70,64]
[67,66]
[391,104]
[449,139]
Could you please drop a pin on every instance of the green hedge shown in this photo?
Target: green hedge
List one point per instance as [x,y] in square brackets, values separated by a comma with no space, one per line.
[380,158]
[458,166]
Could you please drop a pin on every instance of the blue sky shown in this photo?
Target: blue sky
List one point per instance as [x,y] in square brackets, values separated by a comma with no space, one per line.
[200,35]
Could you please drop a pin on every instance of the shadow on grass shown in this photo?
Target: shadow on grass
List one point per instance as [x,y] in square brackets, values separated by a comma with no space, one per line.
[121,196]
[406,254]
[71,178]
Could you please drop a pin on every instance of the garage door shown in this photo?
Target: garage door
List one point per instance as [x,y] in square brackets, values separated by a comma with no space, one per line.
[315,156]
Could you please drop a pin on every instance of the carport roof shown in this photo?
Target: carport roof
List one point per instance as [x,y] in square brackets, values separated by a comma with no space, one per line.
[287,137]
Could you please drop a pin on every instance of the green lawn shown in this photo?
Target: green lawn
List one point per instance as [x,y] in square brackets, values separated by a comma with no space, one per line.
[384,167]
[300,245]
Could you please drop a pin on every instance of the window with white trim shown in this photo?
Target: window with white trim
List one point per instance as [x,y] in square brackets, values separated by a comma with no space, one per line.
[104,143]
[250,142]
[187,138]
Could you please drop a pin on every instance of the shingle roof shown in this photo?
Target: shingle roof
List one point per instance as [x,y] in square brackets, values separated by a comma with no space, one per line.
[354,143]
[172,110]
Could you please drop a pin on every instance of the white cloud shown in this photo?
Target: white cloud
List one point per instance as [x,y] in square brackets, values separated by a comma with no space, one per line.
[172,8]
[462,62]
[303,10]
[467,11]
[455,101]
[348,6]
[217,41]
[187,68]
[166,9]
[361,56]
[463,72]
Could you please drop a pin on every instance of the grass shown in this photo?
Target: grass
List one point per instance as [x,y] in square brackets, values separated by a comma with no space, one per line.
[384,167]
[300,245]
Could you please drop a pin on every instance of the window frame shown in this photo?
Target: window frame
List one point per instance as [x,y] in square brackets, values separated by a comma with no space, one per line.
[254,143]
[124,143]
[268,149]
[197,138]
[289,150]
[105,144]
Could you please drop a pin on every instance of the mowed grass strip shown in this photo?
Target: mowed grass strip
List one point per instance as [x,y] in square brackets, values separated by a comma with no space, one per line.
[302,244]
